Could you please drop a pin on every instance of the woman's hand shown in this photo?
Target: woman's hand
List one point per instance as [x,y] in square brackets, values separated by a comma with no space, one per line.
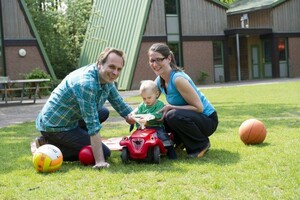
[164,110]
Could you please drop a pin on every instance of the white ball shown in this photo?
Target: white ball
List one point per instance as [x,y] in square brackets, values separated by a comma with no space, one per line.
[47,158]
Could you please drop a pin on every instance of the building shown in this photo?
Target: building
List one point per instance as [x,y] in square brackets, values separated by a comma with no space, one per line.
[263,39]
[251,39]
[21,49]
[193,29]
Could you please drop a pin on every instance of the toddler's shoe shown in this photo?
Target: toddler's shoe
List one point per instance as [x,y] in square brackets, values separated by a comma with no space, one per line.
[171,153]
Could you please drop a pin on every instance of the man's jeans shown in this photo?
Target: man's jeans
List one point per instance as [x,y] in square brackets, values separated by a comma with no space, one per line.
[72,141]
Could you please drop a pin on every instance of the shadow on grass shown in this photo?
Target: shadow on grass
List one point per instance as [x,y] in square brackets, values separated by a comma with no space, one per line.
[262,145]
[214,156]
[220,157]
[233,114]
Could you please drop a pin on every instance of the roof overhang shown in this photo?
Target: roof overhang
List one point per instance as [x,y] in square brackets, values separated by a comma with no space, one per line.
[248,31]
[244,6]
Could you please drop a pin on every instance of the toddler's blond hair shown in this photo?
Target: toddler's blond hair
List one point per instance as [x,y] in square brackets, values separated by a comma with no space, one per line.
[148,85]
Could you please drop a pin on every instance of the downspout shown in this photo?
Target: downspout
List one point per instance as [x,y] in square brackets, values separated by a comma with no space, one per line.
[238,56]
[2,46]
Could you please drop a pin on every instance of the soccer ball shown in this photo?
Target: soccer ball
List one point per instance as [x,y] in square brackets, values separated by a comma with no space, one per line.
[47,158]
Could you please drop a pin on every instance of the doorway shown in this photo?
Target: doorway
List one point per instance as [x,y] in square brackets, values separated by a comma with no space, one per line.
[267,59]
[218,61]
[283,63]
[255,62]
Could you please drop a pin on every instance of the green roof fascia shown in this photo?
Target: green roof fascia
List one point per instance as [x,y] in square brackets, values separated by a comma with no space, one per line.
[264,5]
[278,3]
[39,41]
[118,24]
[224,5]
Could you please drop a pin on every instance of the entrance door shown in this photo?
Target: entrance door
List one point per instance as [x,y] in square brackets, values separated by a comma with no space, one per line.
[218,61]
[283,64]
[255,62]
[267,59]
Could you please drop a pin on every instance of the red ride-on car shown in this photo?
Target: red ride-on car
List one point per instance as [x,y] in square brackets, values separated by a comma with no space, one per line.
[143,144]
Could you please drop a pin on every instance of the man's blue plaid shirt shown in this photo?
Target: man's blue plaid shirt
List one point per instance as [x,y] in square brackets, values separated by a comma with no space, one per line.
[79,96]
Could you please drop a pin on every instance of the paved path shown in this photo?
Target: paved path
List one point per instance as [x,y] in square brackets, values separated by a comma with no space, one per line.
[15,113]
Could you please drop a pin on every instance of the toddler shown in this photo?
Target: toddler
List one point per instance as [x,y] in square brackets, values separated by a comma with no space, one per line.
[151,105]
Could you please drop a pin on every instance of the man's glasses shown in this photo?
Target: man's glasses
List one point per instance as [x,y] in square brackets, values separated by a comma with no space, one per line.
[157,60]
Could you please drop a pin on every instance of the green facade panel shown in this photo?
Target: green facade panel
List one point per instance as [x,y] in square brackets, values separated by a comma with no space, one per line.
[118,24]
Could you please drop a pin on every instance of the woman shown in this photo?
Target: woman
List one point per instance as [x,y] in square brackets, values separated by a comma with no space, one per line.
[188,115]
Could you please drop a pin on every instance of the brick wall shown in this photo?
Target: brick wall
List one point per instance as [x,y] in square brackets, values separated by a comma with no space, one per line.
[294,60]
[17,65]
[142,69]
[197,58]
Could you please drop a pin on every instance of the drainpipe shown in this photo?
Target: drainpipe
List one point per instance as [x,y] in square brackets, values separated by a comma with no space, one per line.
[238,56]
[2,46]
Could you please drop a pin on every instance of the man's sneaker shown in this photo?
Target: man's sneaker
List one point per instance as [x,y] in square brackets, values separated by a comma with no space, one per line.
[201,153]
[40,141]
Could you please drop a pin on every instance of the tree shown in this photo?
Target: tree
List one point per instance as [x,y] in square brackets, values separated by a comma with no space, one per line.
[62,25]
[227,1]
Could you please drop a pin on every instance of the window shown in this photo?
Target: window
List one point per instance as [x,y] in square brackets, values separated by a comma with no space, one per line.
[171,7]
[267,51]
[217,51]
[175,49]
[218,61]
[173,31]
[282,49]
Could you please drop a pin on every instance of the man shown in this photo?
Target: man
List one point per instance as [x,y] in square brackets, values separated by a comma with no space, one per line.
[72,116]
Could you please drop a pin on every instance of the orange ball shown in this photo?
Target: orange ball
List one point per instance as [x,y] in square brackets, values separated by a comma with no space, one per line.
[252,131]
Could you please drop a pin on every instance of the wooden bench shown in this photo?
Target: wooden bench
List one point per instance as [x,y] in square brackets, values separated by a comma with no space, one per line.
[8,87]
[31,91]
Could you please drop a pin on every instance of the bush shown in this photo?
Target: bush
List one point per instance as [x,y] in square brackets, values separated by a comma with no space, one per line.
[202,77]
[37,73]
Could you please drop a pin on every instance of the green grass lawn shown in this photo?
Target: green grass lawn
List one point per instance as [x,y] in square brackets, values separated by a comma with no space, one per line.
[230,170]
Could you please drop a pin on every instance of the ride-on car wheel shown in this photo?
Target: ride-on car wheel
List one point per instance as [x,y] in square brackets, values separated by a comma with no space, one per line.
[156,155]
[149,155]
[125,155]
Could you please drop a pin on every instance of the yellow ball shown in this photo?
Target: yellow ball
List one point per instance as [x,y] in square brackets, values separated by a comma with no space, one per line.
[47,158]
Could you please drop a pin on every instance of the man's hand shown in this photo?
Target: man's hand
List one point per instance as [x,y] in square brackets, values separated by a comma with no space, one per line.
[129,119]
[101,165]
[97,148]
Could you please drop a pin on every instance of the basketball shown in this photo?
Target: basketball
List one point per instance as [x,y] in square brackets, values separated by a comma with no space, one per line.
[47,158]
[86,156]
[252,131]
